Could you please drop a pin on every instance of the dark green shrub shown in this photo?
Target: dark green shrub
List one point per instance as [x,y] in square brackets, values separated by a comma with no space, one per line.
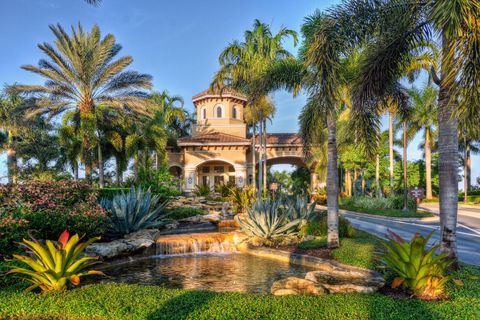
[183,212]
[109,193]
[318,226]
[159,181]
[312,244]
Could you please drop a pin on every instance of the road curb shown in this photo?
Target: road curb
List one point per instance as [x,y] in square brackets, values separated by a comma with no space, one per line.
[361,214]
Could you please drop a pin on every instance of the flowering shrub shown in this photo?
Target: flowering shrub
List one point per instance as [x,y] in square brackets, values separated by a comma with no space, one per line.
[46,209]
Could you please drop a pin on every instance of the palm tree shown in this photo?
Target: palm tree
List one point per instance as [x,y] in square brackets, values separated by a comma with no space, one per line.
[10,123]
[410,23]
[243,66]
[70,143]
[82,74]
[424,117]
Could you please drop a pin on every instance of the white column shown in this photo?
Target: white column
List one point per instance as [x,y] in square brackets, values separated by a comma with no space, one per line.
[240,176]
[190,179]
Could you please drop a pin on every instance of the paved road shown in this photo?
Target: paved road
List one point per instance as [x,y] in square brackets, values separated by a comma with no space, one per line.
[468,237]
[468,216]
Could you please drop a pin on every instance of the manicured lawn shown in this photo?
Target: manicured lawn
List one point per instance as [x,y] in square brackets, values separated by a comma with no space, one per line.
[389,212]
[122,301]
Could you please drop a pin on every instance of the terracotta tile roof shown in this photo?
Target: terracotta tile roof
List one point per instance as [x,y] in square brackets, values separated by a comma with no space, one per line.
[282,138]
[216,92]
[212,138]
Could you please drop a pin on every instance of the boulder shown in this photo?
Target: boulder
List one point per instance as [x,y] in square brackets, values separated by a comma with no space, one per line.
[108,250]
[337,277]
[296,286]
[131,243]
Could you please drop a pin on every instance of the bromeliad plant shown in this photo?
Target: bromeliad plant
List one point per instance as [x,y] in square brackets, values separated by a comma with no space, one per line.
[134,210]
[241,198]
[266,219]
[419,270]
[51,267]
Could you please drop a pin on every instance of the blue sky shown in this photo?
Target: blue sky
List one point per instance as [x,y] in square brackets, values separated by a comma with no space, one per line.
[177,42]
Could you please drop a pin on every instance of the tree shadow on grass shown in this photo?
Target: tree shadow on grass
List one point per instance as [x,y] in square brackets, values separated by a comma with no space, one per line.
[182,306]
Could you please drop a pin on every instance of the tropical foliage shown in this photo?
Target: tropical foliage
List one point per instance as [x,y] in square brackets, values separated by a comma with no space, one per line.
[419,270]
[242,198]
[267,219]
[52,267]
[134,210]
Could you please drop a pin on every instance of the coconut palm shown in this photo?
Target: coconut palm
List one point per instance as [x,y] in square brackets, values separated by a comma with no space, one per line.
[243,65]
[10,123]
[81,74]
[399,27]
[424,117]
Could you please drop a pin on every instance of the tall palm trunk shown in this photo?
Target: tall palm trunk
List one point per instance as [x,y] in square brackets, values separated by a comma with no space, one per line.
[254,150]
[448,157]
[101,173]
[264,155]
[469,168]
[332,183]
[75,169]
[377,175]
[12,166]
[390,147]
[428,163]
[260,157]
[405,191]
[465,170]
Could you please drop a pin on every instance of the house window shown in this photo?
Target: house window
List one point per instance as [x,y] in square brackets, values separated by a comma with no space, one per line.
[231,169]
[205,169]
[204,113]
[234,113]
[219,112]
[231,179]
[219,169]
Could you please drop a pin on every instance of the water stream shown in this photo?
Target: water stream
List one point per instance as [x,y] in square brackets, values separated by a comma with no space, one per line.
[206,261]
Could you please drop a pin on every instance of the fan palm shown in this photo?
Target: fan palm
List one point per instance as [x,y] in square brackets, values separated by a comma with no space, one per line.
[81,74]
[243,65]
[398,27]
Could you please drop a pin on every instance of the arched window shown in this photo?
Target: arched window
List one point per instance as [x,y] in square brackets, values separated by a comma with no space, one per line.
[219,111]
[234,113]
[204,113]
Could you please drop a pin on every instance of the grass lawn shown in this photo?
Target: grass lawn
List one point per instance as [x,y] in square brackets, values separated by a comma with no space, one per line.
[389,212]
[122,301]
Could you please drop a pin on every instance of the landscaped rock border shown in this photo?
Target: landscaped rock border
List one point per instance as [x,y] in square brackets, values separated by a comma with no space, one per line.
[332,276]
[132,243]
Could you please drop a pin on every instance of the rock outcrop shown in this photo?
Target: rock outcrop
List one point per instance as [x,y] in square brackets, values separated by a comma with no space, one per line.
[296,286]
[131,243]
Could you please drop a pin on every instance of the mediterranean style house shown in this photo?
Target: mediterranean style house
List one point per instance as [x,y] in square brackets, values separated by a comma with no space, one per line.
[220,148]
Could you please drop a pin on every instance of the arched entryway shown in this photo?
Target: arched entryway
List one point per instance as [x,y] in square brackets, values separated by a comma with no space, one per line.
[176,171]
[290,164]
[215,172]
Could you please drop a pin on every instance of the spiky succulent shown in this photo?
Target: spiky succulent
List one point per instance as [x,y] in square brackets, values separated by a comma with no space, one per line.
[135,210]
[268,218]
[300,207]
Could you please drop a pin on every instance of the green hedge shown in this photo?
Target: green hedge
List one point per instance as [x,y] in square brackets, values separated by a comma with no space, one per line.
[183,212]
[109,193]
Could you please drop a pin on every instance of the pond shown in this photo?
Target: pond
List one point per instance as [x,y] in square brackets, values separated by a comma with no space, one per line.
[206,271]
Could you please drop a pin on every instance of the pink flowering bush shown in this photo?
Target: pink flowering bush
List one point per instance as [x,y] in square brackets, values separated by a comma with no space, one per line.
[46,209]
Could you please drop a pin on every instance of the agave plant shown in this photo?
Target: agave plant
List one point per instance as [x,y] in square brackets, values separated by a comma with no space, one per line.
[301,208]
[51,267]
[241,198]
[267,220]
[420,271]
[135,210]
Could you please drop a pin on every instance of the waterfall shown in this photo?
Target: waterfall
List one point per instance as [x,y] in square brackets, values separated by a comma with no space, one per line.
[195,243]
